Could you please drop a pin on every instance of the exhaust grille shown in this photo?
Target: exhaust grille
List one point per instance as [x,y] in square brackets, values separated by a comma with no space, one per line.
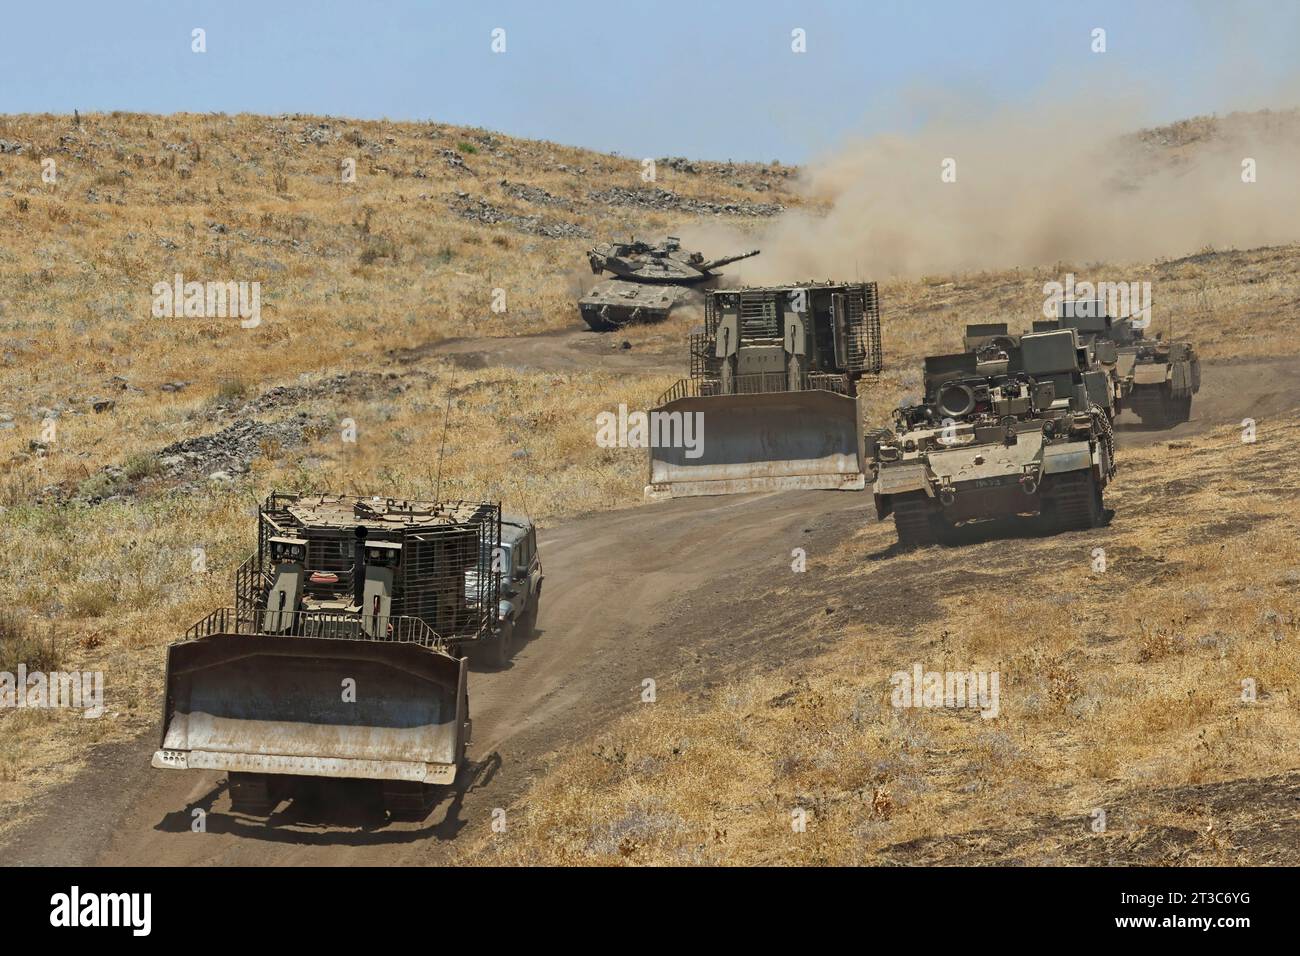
[758,318]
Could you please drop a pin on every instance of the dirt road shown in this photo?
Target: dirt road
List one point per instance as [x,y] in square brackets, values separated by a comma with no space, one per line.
[614,612]
[560,351]
[628,595]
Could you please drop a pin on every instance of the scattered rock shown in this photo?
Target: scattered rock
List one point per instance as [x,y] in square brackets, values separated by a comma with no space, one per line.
[680,163]
[663,199]
[534,194]
[319,134]
[232,449]
[480,210]
[456,161]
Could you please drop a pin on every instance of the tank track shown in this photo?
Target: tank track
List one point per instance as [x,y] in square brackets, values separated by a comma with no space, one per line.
[1105,429]
[1072,501]
[613,319]
[915,521]
[1160,409]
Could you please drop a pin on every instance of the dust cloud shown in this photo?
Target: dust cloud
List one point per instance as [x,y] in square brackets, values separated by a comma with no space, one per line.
[1076,184]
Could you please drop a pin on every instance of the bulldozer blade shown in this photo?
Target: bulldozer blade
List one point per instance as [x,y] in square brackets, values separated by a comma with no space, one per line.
[377,710]
[762,442]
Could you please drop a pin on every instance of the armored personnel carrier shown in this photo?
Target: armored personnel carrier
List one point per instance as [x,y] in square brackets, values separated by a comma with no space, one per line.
[774,380]
[341,656]
[1020,437]
[993,345]
[648,281]
[1160,379]
[1155,379]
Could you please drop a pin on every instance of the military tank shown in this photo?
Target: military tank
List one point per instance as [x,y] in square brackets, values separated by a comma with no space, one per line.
[648,281]
[1021,438]
[1160,379]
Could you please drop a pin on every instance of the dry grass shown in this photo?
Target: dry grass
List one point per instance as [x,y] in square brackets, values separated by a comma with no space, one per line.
[352,275]
[1115,687]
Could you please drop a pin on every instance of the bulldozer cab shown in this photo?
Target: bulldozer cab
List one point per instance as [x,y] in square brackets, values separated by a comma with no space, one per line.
[774,372]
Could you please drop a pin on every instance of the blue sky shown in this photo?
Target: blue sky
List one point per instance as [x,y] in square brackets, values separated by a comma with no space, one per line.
[647,77]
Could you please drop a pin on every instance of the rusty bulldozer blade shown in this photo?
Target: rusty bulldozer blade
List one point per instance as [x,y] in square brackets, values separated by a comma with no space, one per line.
[265,704]
[763,442]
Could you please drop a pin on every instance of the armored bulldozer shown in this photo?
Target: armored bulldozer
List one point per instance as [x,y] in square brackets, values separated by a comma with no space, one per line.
[1155,379]
[775,373]
[341,655]
[649,279]
[1019,438]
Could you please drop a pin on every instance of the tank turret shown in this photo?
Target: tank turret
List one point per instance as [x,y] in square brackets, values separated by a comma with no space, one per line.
[647,280]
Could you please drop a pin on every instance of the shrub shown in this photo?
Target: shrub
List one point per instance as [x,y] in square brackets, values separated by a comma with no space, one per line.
[20,643]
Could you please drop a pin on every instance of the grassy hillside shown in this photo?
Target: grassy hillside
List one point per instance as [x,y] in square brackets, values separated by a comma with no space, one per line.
[129,443]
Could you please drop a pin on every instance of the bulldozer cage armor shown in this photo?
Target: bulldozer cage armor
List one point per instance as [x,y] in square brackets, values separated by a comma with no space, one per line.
[758,383]
[336,625]
[844,339]
[436,599]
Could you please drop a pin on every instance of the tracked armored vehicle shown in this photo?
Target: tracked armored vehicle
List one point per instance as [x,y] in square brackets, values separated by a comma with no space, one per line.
[649,280]
[775,373]
[1160,379]
[1019,438]
[993,344]
[342,655]
[1155,379]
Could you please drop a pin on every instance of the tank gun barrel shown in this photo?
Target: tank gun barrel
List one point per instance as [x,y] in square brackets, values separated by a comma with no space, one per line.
[728,260]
